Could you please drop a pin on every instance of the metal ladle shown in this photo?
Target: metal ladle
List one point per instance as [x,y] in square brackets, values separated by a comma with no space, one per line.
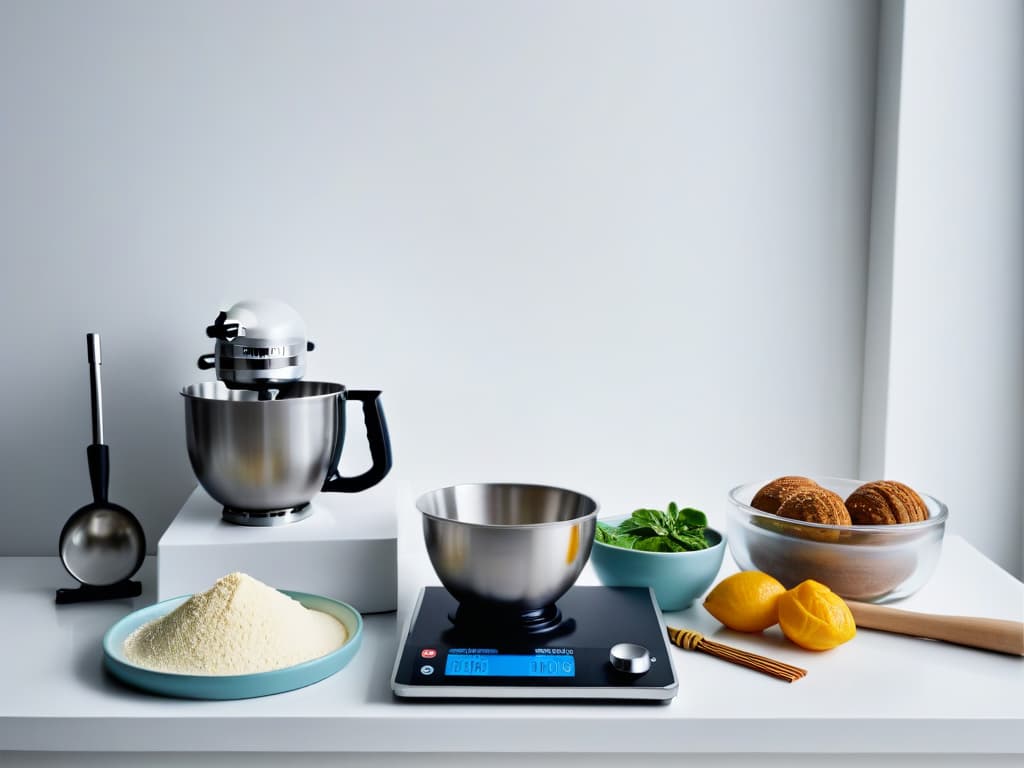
[102,544]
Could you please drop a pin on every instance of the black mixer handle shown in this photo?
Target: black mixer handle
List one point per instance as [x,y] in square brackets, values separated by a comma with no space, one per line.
[206,362]
[376,433]
[221,329]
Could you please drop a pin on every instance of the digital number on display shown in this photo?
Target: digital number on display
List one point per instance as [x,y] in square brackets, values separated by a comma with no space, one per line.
[500,665]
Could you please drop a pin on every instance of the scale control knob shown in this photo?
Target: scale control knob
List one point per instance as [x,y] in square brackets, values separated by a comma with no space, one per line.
[630,658]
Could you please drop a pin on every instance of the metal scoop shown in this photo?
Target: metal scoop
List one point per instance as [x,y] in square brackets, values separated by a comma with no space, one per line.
[102,544]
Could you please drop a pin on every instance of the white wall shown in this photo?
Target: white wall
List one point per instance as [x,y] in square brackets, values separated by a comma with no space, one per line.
[944,406]
[615,246]
[477,760]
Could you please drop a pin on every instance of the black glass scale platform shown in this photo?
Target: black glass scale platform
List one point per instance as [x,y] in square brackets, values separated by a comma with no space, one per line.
[561,652]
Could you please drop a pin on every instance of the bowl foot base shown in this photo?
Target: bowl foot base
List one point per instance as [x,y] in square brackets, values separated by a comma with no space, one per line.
[266,517]
[485,620]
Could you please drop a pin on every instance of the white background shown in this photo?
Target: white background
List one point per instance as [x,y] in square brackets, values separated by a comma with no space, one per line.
[951,152]
[621,247]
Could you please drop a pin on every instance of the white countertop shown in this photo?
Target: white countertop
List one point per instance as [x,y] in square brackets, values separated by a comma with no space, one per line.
[878,693]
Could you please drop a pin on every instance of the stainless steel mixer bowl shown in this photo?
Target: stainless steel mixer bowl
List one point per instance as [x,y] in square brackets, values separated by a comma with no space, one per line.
[253,454]
[507,545]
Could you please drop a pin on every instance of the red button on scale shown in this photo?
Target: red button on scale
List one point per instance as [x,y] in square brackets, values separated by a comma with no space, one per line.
[428,653]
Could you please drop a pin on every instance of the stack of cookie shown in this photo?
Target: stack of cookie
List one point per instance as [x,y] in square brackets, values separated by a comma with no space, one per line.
[862,547]
[883,502]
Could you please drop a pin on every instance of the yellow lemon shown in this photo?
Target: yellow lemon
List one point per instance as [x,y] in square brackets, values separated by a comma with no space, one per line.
[814,617]
[746,601]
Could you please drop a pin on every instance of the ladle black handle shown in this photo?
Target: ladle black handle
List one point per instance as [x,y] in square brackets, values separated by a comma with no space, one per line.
[376,433]
[99,471]
[98,453]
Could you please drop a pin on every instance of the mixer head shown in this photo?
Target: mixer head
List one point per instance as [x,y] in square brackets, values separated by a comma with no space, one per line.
[261,343]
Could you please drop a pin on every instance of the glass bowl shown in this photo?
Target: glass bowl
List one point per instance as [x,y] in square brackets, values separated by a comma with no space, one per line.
[870,563]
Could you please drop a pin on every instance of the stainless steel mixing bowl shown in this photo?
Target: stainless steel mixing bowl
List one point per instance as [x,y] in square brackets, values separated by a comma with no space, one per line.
[507,545]
[262,455]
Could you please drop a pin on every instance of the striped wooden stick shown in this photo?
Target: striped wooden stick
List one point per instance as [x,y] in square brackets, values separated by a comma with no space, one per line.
[695,641]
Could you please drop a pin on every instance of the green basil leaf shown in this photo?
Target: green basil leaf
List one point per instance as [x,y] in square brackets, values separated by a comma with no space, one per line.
[650,522]
[654,530]
[690,542]
[644,533]
[608,534]
[655,544]
[693,517]
[672,545]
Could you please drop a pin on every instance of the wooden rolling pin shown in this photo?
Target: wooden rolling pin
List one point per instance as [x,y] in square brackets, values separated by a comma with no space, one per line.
[989,634]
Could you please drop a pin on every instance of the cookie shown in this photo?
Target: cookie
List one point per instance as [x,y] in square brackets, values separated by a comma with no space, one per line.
[886,502]
[814,504]
[771,496]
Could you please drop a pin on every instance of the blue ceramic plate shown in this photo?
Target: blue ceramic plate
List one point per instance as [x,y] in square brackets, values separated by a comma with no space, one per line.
[230,686]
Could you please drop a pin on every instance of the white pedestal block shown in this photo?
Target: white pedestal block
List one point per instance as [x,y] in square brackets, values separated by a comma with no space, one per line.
[346,550]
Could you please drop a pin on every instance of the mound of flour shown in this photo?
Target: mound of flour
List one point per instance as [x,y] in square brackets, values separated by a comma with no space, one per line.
[238,626]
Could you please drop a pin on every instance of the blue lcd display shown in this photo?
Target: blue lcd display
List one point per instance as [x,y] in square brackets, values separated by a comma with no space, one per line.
[501,665]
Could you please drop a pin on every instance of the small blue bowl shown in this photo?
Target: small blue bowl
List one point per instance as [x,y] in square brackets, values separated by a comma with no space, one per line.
[230,686]
[678,578]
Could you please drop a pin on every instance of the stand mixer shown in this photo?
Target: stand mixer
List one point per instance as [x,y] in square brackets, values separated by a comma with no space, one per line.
[262,441]
[259,345]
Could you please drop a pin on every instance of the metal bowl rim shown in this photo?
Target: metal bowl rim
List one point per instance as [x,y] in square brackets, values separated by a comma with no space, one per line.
[592,515]
[935,520]
[190,396]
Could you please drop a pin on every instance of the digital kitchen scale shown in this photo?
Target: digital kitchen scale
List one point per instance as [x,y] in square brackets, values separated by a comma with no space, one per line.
[598,643]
